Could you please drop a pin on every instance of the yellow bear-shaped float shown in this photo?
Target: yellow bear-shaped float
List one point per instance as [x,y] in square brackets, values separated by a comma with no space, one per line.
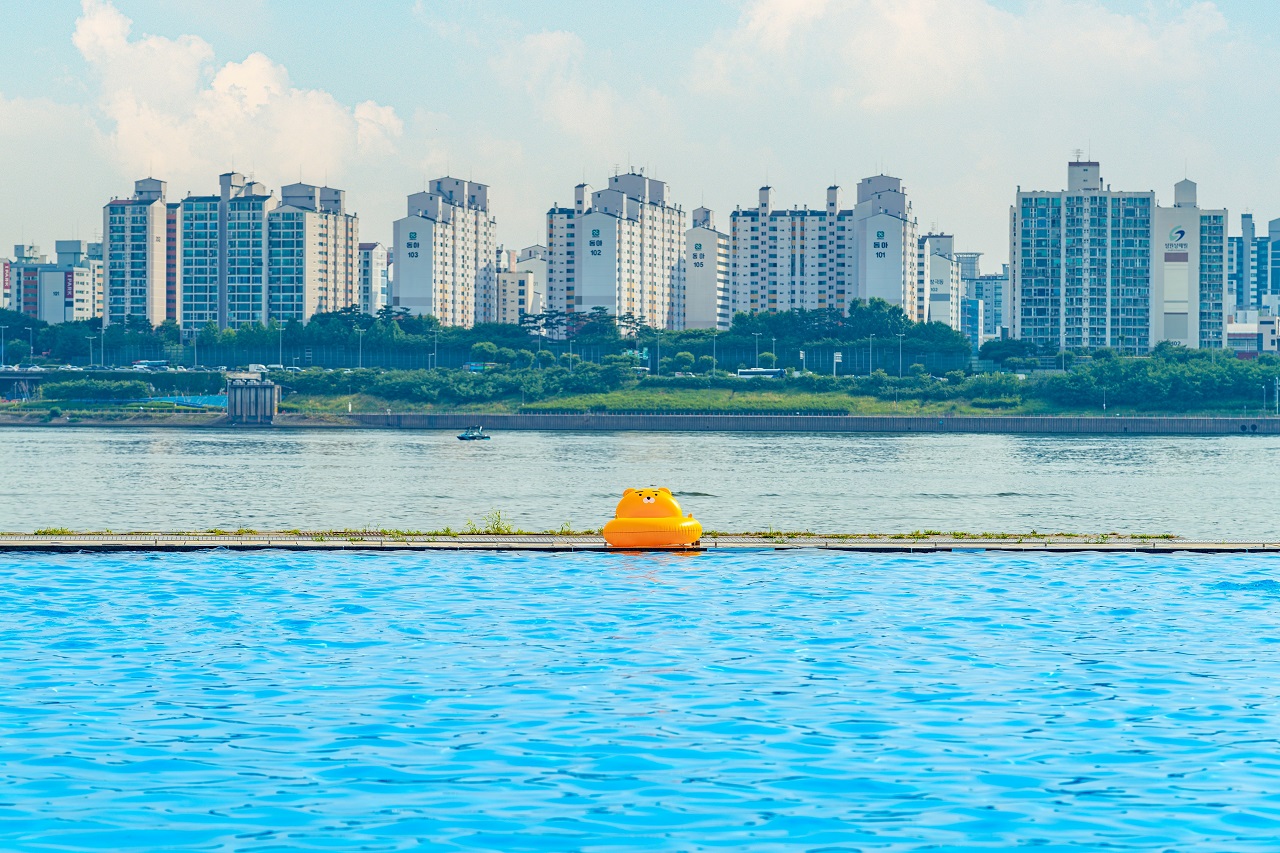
[650,518]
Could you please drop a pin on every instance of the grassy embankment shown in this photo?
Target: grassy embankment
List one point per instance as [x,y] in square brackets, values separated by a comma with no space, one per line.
[782,401]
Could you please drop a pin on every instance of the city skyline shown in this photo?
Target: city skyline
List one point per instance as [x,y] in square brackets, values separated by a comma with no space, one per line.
[530,105]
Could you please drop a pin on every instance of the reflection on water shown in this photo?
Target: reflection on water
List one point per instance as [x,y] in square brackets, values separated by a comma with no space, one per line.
[171,479]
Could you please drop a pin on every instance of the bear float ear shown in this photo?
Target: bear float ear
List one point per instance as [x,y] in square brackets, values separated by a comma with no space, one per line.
[665,491]
[626,492]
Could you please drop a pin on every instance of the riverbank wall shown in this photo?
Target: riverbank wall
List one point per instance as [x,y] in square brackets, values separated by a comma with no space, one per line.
[1065,425]
[656,422]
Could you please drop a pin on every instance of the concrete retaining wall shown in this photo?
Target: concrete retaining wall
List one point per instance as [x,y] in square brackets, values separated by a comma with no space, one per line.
[833,423]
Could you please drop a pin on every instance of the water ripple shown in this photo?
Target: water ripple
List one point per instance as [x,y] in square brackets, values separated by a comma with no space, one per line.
[763,701]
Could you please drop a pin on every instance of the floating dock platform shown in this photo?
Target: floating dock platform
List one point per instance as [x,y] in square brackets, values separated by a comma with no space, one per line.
[385,541]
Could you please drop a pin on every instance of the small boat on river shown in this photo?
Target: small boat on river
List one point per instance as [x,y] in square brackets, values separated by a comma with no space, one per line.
[473,433]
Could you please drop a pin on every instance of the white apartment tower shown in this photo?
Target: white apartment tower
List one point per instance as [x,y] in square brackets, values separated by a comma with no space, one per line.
[939,280]
[519,284]
[313,264]
[782,260]
[883,246]
[706,265]
[136,248]
[373,277]
[61,291]
[620,249]
[1080,265]
[1188,272]
[812,259]
[444,254]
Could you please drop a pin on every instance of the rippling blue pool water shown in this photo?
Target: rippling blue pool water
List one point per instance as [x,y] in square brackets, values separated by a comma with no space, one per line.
[764,700]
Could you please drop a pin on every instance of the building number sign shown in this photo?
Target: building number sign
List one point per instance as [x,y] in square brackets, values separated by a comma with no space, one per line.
[699,256]
[595,232]
[412,245]
[880,243]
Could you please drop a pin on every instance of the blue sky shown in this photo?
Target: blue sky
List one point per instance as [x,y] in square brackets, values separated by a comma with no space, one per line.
[963,99]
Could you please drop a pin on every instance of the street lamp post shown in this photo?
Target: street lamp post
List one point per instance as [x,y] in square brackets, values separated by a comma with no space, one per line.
[89,338]
[757,334]
[360,348]
[774,349]
[3,329]
[435,352]
[870,341]
[901,335]
[713,353]
[280,348]
[102,347]
[31,336]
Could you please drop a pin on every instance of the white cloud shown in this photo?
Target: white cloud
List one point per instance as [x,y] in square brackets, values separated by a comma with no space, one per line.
[171,111]
[965,99]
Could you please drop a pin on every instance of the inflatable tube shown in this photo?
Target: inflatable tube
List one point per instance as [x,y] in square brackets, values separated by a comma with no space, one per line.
[651,518]
[652,532]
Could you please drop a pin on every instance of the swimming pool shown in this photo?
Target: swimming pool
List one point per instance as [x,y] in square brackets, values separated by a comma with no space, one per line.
[759,700]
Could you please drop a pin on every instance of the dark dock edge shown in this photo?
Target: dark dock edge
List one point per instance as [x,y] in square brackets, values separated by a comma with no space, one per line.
[174,543]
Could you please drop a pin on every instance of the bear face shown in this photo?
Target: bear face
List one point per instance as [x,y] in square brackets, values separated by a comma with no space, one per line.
[648,503]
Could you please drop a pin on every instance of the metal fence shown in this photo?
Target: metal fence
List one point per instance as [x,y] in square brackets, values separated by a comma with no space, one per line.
[855,360]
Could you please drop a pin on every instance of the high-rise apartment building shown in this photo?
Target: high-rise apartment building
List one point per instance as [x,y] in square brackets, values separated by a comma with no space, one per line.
[517,283]
[223,267]
[814,259]
[249,257]
[1080,265]
[788,259]
[60,291]
[1188,272]
[1253,264]
[706,265]
[313,264]
[938,280]
[373,277]
[884,245]
[444,253]
[620,249]
[139,254]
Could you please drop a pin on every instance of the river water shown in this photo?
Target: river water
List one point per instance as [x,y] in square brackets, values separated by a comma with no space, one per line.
[162,479]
